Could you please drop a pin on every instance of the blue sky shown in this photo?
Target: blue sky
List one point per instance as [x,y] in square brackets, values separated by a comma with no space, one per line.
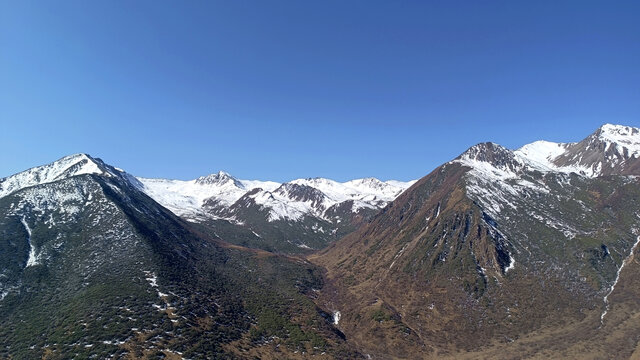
[286,89]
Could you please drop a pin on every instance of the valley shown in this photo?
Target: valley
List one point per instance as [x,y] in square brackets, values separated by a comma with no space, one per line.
[498,253]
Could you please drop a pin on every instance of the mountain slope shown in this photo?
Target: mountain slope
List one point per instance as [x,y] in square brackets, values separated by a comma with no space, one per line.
[92,267]
[462,264]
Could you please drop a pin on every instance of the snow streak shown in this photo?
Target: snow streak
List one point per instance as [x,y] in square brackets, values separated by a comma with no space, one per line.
[33,258]
[625,262]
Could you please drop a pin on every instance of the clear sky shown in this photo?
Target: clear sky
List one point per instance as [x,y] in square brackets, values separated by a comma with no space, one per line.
[279,90]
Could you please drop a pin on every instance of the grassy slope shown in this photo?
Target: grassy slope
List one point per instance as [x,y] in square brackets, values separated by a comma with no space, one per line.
[406,288]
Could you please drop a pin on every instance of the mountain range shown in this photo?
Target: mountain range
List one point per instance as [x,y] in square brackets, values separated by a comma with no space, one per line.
[497,253]
[294,217]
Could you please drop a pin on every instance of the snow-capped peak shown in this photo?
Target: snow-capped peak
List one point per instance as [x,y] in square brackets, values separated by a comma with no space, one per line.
[68,166]
[316,182]
[289,200]
[497,173]
[604,152]
[358,189]
[491,156]
[301,197]
[369,182]
[625,136]
[612,149]
[220,178]
[187,198]
[317,195]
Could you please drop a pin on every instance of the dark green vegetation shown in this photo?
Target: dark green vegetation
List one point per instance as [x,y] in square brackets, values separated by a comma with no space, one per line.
[115,274]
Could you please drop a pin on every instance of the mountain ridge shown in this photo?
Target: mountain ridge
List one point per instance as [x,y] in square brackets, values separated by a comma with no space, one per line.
[296,216]
[91,267]
[241,187]
[465,258]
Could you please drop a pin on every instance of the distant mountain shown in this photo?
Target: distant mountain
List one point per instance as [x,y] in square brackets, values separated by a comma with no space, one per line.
[611,150]
[91,267]
[500,254]
[292,217]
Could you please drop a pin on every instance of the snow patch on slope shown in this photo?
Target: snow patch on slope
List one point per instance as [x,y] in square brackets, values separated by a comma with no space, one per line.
[280,207]
[493,184]
[152,279]
[540,154]
[512,264]
[628,259]
[33,258]
[336,317]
